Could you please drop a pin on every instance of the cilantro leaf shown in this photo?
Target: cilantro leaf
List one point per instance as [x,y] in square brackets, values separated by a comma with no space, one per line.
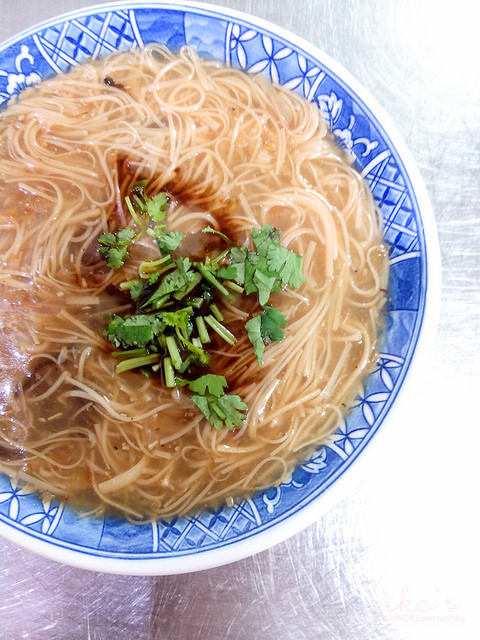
[167,241]
[183,266]
[115,246]
[272,321]
[275,261]
[157,231]
[211,382]
[156,207]
[136,289]
[233,407]
[218,407]
[227,410]
[265,328]
[229,273]
[264,284]
[170,283]
[254,331]
[286,264]
[125,236]
[133,331]
[107,239]
[236,268]
[180,319]
[249,273]
[116,257]
[270,268]
[154,277]
[265,238]
[205,404]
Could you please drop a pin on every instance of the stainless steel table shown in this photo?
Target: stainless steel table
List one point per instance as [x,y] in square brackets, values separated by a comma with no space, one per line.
[398,556]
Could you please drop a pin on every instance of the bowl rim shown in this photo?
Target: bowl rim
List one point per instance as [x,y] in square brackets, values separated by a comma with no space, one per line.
[360,465]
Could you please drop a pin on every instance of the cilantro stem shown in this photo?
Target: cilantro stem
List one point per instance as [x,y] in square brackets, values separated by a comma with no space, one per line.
[233,286]
[152,264]
[157,303]
[132,211]
[221,414]
[216,261]
[218,233]
[208,275]
[169,372]
[130,353]
[219,328]
[140,204]
[147,268]
[197,302]
[134,363]
[216,312]
[126,284]
[202,329]
[173,351]
[197,350]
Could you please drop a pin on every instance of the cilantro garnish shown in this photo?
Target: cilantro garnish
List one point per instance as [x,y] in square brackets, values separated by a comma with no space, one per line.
[167,241]
[178,304]
[270,268]
[227,409]
[236,268]
[136,288]
[115,246]
[216,405]
[143,206]
[133,331]
[156,206]
[264,328]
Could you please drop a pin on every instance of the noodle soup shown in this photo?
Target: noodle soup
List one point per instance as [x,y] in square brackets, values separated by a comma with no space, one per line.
[233,153]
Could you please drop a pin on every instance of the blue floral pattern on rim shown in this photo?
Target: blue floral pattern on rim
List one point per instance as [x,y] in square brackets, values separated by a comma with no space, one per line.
[59,45]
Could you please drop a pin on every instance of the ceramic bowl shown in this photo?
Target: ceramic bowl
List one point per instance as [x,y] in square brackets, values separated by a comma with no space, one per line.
[223,535]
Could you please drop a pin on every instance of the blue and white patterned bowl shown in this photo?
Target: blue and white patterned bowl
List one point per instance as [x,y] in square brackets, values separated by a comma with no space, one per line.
[226,534]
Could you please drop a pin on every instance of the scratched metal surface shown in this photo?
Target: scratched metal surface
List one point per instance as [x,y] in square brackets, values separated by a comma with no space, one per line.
[397,558]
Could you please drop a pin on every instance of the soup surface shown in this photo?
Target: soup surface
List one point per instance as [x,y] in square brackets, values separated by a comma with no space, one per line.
[233,153]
